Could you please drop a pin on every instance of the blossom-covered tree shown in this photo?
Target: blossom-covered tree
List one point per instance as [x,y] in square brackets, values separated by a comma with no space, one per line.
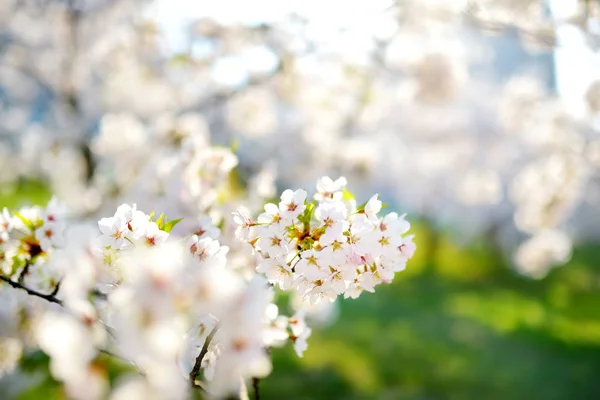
[97,106]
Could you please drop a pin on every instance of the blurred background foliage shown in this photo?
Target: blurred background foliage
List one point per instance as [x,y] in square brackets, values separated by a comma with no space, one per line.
[457,324]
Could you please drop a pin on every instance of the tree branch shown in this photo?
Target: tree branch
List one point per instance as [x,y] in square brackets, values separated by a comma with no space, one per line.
[24,273]
[56,289]
[196,370]
[52,299]
[48,297]
[256,387]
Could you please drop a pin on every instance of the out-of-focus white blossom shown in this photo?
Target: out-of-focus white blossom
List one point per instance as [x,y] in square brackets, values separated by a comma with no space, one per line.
[253,112]
[10,354]
[544,251]
[71,344]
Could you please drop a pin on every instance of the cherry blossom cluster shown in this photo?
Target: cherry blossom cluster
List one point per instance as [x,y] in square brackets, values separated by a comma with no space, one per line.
[171,294]
[150,298]
[327,247]
[28,238]
[173,306]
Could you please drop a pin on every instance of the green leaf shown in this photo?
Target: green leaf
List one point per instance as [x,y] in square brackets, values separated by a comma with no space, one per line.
[307,215]
[152,215]
[161,221]
[361,208]
[17,264]
[292,231]
[221,224]
[29,224]
[171,224]
[234,145]
[347,195]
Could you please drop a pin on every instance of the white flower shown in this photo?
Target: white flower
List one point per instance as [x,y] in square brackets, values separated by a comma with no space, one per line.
[333,219]
[408,247]
[372,207]
[244,223]
[300,343]
[292,204]
[271,215]
[205,228]
[300,332]
[54,211]
[387,241]
[311,266]
[275,333]
[136,221]
[6,225]
[364,281]
[321,290]
[394,224]
[50,234]
[207,250]
[153,235]
[277,271]
[272,241]
[113,231]
[362,235]
[330,189]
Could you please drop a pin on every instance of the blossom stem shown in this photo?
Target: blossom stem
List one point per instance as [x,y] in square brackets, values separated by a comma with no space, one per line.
[48,297]
[196,370]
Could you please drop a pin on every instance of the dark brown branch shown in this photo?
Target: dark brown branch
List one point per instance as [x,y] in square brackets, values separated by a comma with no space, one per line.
[256,388]
[52,299]
[24,273]
[48,297]
[196,370]
[56,289]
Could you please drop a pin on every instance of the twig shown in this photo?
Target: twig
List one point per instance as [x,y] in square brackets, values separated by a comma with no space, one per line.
[48,297]
[52,299]
[56,289]
[256,388]
[123,359]
[99,294]
[196,370]
[24,273]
